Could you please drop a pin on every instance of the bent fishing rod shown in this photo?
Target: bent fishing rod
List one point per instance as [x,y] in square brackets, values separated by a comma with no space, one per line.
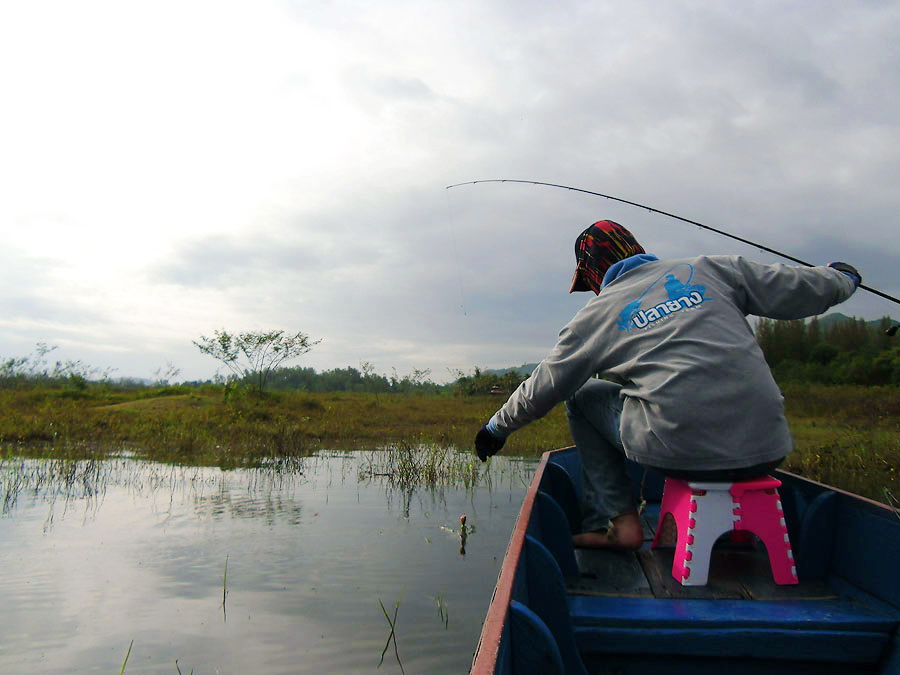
[670,215]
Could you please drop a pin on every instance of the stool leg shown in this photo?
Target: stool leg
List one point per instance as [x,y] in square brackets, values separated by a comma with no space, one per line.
[760,512]
[711,516]
[686,569]
[676,495]
[677,502]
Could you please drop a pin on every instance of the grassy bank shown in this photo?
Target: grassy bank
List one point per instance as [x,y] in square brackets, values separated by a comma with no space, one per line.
[200,425]
[845,436]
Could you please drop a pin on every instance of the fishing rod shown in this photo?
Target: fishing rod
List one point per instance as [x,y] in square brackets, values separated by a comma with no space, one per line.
[670,215]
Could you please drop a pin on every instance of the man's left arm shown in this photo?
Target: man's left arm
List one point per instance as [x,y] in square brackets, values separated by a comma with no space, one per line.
[785,292]
[555,379]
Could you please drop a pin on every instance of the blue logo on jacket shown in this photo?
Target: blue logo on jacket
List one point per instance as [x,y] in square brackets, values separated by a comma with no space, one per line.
[681,295]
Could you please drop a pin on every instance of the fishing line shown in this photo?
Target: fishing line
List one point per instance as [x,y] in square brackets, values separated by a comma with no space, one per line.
[670,215]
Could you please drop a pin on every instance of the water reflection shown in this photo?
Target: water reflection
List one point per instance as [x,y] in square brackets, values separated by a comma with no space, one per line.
[98,553]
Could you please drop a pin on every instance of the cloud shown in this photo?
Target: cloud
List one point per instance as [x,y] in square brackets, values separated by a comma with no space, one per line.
[30,300]
[375,92]
[225,262]
[285,167]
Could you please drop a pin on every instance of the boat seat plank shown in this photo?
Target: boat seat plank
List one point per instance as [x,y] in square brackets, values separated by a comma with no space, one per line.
[830,614]
[786,644]
[650,519]
[667,664]
[733,573]
[839,629]
[609,573]
[614,572]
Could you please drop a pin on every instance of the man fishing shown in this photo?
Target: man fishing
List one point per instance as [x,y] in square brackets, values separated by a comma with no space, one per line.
[688,391]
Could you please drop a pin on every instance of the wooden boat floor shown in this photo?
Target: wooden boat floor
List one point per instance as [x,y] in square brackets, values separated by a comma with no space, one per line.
[736,573]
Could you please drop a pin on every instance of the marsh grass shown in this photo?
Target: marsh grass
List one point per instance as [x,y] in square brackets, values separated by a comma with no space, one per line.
[443,612]
[405,467]
[861,460]
[60,483]
[225,585]
[127,654]
[847,436]
[203,427]
[53,479]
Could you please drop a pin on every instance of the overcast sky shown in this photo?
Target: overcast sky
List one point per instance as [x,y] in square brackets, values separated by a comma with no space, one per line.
[172,168]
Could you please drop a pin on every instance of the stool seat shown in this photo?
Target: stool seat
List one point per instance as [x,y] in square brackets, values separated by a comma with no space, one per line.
[703,511]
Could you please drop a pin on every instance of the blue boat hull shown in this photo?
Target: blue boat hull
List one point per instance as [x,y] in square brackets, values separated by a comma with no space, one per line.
[558,610]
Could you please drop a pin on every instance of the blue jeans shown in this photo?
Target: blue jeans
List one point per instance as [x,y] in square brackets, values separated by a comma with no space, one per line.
[594,412]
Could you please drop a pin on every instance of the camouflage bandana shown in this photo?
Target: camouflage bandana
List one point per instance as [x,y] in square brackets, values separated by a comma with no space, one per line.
[597,248]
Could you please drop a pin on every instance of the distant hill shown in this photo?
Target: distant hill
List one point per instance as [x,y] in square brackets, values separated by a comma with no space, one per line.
[524,369]
[836,317]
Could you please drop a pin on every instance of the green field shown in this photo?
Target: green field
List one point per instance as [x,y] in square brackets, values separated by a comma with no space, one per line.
[846,436]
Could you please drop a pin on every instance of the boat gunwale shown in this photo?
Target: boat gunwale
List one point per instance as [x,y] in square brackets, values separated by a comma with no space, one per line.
[487,651]
[825,486]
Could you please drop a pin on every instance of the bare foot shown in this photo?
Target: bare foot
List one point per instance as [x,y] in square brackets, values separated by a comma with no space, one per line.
[624,534]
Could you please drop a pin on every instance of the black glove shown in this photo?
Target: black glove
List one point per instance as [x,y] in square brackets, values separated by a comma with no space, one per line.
[849,270]
[486,444]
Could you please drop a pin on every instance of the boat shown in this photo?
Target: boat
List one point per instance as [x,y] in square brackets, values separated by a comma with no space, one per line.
[556,609]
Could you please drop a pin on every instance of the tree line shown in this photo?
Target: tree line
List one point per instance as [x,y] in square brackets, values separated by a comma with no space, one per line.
[363,379]
[255,360]
[838,350]
[833,350]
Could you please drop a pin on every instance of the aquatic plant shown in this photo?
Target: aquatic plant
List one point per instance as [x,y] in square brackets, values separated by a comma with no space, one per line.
[225,585]
[406,466]
[65,481]
[127,654]
[443,613]
[392,636]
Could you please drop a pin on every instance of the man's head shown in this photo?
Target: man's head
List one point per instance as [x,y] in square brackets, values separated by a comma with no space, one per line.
[598,248]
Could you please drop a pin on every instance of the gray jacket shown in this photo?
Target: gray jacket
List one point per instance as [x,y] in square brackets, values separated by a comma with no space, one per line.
[698,393]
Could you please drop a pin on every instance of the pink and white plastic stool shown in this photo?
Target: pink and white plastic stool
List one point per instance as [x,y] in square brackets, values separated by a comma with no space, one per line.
[705,511]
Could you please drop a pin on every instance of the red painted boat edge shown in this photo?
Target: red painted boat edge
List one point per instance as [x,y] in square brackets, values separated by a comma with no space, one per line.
[487,651]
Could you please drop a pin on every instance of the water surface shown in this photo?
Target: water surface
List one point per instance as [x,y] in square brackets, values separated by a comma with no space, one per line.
[95,556]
